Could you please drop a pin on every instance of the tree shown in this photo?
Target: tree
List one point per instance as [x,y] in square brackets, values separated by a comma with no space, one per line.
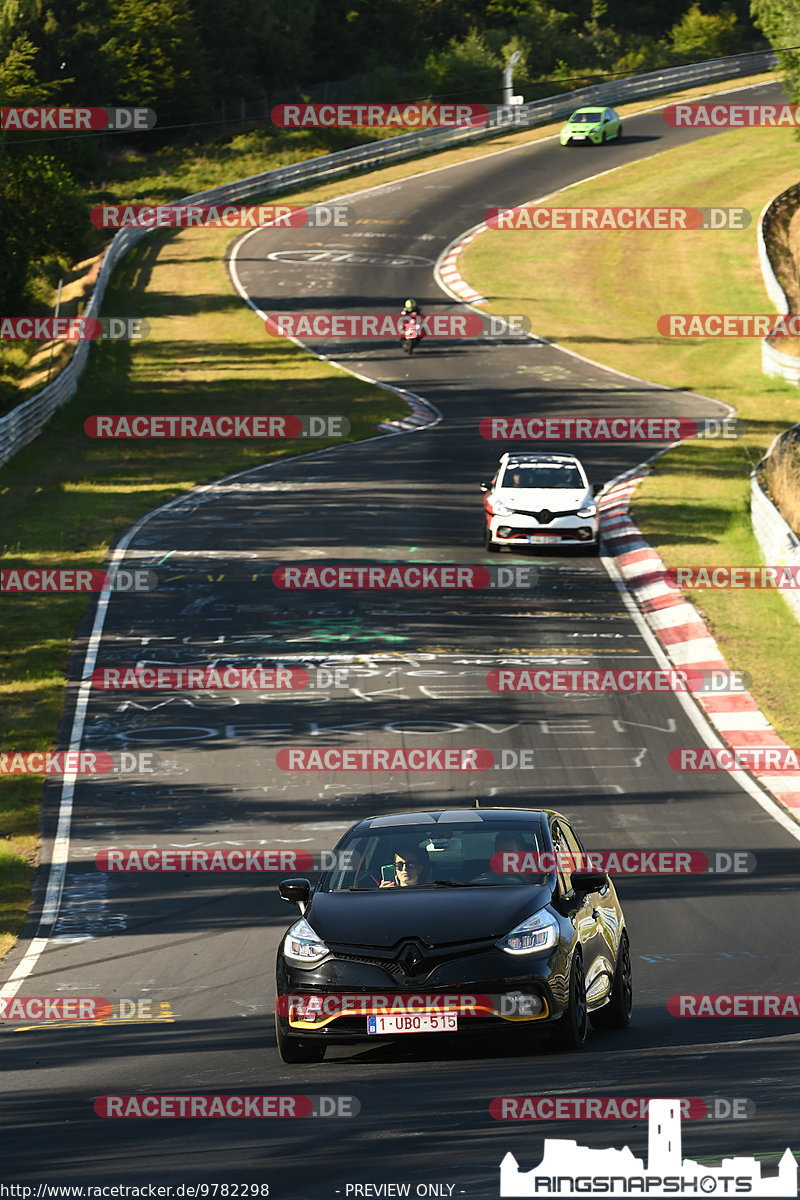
[780,22]
[700,35]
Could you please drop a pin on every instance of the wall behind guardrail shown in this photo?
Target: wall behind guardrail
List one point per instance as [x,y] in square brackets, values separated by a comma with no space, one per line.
[779,543]
[773,229]
[25,422]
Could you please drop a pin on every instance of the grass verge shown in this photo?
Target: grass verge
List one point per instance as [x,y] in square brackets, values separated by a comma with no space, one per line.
[694,507]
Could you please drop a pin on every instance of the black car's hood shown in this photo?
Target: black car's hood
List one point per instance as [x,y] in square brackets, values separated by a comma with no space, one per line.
[437,916]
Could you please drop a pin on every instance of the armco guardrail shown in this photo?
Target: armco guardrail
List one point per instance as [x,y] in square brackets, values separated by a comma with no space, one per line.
[773,228]
[25,422]
[780,545]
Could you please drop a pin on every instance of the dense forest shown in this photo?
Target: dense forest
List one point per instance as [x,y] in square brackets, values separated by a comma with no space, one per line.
[187,58]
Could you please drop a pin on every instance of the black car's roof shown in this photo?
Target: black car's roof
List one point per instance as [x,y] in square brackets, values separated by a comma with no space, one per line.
[455,816]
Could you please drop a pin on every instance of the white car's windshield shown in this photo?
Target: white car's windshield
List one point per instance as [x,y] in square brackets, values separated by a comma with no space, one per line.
[549,476]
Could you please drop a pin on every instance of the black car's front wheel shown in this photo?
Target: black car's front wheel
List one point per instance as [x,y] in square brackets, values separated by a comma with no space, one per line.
[298,1050]
[571,1030]
[617,1013]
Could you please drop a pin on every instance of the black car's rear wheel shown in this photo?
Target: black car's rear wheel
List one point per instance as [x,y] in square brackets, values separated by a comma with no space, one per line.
[298,1050]
[570,1032]
[617,1013]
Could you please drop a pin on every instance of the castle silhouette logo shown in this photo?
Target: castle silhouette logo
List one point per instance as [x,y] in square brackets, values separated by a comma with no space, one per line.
[568,1169]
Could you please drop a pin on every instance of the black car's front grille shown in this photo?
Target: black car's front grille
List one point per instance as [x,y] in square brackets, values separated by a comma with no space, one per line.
[413,961]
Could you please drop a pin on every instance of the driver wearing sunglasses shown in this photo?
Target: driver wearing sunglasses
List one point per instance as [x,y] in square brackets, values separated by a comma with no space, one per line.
[409,865]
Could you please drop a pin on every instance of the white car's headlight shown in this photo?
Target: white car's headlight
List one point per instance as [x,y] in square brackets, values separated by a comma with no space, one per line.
[588,510]
[500,509]
[302,946]
[539,932]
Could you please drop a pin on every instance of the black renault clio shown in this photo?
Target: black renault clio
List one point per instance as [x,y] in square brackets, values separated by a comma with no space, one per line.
[458,922]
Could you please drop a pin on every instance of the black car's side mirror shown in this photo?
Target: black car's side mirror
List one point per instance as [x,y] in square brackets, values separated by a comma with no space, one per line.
[589,881]
[296,890]
[486,485]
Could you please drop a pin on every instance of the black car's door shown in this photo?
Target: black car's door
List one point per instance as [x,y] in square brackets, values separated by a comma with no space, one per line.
[587,913]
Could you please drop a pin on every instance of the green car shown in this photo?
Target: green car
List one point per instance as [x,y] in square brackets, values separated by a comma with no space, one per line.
[592,125]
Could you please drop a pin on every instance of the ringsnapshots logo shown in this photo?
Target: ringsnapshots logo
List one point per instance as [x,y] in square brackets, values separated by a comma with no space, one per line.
[567,1168]
[708,680]
[737,325]
[225,1105]
[447,326]
[65,763]
[402,577]
[225,425]
[76,579]
[540,218]
[44,119]
[615,1108]
[730,116]
[606,429]
[73,329]
[219,677]
[225,216]
[379,116]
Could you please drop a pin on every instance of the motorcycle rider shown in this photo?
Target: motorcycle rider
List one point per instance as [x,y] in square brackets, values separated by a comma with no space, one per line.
[411,310]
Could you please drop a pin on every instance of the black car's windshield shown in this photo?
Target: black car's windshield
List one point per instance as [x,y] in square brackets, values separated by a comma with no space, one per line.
[445,856]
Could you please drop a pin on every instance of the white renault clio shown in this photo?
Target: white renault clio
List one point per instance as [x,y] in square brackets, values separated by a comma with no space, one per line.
[540,500]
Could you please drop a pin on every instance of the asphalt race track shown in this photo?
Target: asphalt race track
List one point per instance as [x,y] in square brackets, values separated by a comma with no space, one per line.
[200,948]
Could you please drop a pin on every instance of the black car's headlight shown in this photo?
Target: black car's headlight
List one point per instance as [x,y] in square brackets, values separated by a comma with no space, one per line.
[588,510]
[536,933]
[302,946]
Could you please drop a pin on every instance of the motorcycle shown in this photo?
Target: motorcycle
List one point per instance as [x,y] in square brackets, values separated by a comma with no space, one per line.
[411,332]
